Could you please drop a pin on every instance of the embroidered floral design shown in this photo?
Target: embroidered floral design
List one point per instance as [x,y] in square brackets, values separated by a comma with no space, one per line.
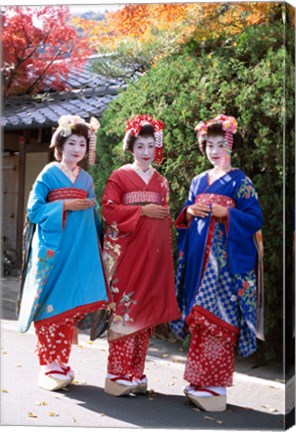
[247,287]
[111,252]
[246,189]
[125,302]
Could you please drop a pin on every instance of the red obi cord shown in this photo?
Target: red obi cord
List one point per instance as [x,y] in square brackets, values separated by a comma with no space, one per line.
[66,193]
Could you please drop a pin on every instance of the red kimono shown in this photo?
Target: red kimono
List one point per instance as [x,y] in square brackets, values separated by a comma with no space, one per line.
[138,253]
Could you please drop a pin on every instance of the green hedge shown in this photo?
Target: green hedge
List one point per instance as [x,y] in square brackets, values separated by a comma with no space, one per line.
[246,79]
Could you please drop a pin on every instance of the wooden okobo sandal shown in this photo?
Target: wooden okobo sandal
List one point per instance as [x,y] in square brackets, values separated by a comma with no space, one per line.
[215,402]
[114,388]
[53,380]
[69,372]
[141,386]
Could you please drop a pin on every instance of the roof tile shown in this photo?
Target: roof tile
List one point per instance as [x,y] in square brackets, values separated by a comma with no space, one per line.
[89,96]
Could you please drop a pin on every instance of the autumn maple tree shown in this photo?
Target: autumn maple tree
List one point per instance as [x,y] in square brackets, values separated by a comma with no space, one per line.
[137,36]
[39,47]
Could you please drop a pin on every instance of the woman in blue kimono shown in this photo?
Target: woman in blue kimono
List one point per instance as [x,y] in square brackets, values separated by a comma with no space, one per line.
[217,258]
[64,279]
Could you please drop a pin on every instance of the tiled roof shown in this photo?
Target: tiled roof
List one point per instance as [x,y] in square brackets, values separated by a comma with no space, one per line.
[89,96]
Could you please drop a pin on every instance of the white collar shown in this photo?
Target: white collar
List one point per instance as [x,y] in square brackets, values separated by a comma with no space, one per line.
[145,175]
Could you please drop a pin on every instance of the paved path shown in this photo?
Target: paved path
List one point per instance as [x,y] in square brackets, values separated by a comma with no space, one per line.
[255,402]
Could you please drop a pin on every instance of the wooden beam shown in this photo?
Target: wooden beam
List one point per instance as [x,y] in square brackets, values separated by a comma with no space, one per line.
[36,148]
[21,194]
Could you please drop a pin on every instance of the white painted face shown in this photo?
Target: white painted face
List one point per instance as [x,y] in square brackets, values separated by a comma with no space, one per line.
[74,149]
[216,151]
[143,151]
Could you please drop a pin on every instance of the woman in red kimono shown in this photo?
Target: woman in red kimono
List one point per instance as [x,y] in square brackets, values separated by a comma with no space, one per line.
[137,256]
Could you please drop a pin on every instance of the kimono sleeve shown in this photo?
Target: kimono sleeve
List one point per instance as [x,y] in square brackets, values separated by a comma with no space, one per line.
[92,195]
[123,218]
[243,222]
[48,215]
[180,222]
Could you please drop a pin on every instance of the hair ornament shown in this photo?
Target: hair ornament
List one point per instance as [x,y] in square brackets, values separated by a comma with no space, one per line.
[67,123]
[94,126]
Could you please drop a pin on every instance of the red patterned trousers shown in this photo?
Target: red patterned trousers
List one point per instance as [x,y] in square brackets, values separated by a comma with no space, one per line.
[55,339]
[210,360]
[127,355]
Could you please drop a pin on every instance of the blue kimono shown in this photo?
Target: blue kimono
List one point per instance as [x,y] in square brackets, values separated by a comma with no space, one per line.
[217,258]
[64,274]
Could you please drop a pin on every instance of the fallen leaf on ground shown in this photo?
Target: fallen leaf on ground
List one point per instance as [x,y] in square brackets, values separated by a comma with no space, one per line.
[4,391]
[196,409]
[219,421]
[41,403]
[208,418]
[74,419]
[270,408]
[31,415]
[165,355]
[52,414]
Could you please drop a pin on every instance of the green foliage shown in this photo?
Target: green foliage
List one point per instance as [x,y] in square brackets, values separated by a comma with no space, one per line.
[244,79]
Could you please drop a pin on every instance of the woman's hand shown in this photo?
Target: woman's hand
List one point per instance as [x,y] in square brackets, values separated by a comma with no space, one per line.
[78,204]
[155,211]
[200,210]
[219,211]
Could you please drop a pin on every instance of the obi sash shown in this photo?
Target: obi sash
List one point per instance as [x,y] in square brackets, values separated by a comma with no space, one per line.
[141,198]
[210,198]
[66,193]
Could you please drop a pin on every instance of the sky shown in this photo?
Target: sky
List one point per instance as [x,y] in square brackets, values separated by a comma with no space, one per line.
[94,8]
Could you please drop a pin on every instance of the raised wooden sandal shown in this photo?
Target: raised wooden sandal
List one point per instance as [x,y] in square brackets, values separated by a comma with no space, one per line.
[114,388]
[69,372]
[141,386]
[53,380]
[216,402]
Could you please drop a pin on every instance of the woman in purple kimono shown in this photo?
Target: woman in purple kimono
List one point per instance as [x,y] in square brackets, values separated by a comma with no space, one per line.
[64,279]
[217,259]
